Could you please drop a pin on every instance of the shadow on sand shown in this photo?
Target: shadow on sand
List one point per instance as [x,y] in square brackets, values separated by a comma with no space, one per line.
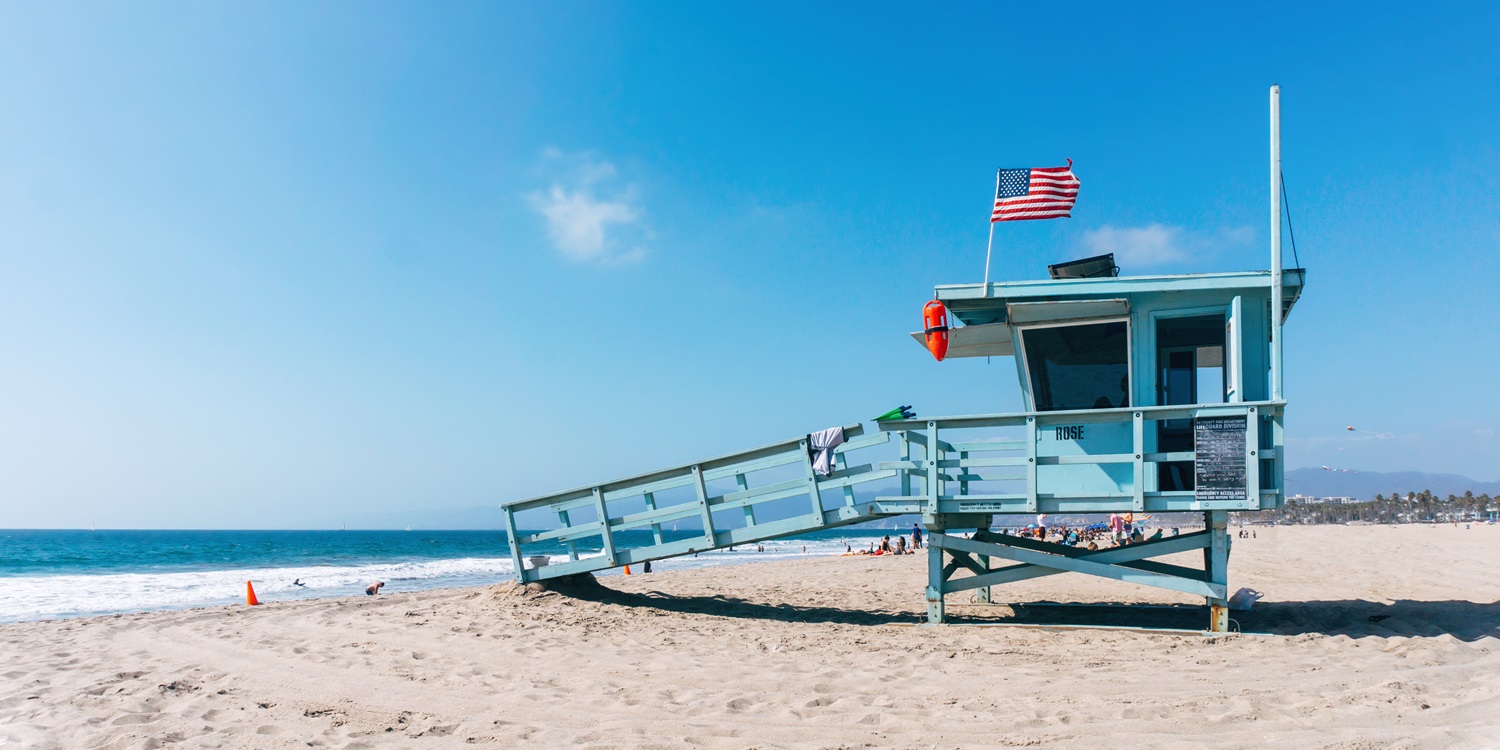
[1467,621]
[589,589]
[1354,618]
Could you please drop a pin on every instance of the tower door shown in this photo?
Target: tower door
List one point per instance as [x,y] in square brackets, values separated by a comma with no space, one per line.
[1190,371]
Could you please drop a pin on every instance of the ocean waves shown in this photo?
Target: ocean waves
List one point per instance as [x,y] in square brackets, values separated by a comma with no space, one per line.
[49,596]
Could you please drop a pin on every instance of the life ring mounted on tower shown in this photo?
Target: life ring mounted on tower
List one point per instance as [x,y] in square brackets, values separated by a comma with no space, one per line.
[935,325]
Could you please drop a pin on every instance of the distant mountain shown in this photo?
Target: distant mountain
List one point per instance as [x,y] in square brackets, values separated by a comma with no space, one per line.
[1365,485]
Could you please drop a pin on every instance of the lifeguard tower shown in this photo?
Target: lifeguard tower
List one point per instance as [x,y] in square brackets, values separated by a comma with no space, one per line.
[1144,394]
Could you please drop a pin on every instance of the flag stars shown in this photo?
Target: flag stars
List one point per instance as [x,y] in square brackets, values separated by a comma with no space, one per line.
[1014,182]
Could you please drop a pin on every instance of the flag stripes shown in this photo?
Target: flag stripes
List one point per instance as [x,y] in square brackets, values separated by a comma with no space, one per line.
[1040,193]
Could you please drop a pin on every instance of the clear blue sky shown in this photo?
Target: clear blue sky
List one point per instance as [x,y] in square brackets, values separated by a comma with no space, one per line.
[273,262]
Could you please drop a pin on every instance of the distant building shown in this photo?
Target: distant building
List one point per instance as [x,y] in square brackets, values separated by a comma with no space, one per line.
[1310,500]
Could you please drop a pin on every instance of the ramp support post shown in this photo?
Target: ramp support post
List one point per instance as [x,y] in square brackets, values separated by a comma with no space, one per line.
[935,576]
[1216,568]
[982,594]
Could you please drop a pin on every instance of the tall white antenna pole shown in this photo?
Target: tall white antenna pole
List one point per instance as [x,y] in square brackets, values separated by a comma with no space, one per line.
[1276,292]
[991,246]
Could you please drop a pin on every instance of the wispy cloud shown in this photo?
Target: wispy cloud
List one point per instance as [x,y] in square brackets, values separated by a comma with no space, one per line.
[1158,244]
[591,215]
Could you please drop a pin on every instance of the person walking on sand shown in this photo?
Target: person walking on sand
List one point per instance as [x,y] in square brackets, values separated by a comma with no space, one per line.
[916,537]
[374,588]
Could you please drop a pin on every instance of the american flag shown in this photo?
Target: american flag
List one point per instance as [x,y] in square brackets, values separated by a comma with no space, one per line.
[1041,193]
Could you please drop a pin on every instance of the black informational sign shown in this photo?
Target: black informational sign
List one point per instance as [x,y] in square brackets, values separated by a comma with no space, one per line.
[1219,443]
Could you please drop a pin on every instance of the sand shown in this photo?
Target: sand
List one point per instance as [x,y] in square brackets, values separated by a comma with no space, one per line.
[760,656]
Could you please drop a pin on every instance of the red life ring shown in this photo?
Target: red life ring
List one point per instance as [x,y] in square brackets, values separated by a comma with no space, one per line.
[935,325]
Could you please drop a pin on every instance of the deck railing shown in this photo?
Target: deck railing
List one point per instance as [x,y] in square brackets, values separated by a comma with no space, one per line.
[958,452]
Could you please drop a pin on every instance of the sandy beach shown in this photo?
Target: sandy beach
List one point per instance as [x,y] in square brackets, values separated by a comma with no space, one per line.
[1375,637]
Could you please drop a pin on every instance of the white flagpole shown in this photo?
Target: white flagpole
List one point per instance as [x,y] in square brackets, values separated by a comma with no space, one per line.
[1276,291]
[991,246]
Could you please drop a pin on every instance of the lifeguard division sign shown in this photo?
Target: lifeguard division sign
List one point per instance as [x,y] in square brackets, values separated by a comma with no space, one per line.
[1219,459]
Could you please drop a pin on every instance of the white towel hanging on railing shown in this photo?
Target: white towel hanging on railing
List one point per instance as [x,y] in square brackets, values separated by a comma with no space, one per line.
[821,444]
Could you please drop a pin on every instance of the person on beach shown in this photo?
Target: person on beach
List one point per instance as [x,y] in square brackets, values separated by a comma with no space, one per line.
[900,545]
[885,545]
[916,537]
[374,588]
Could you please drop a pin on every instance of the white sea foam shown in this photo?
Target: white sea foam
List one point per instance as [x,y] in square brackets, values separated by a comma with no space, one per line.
[52,596]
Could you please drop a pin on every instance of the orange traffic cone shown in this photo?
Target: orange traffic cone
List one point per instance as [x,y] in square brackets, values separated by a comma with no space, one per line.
[250,599]
[627,570]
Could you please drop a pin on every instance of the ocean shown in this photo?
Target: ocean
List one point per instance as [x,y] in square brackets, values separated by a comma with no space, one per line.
[47,574]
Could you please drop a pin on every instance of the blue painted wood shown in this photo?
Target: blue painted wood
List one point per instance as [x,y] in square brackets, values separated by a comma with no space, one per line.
[933,453]
[749,508]
[813,493]
[1138,461]
[513,540]
[842,469]
[562,518]
[719,467]
[650,500]
[998,444]
[592,528]
[704,506]
[1081,565]
[1032,500]
[604,532]
[1113,555]
[1077,416]
[1252,459]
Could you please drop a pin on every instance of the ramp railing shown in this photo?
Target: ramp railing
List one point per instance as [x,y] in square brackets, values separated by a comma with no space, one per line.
[721,501]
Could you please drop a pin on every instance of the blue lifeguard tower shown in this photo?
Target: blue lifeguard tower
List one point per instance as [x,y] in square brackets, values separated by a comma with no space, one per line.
[1142,394]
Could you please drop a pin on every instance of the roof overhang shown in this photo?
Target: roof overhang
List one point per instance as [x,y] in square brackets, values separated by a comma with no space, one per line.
[979,304]
[987,340]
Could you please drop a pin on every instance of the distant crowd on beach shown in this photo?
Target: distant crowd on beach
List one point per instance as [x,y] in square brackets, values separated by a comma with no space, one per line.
[1122,529]
[887,547]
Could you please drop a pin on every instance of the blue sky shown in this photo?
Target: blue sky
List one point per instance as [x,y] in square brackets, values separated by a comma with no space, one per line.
[267,264]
